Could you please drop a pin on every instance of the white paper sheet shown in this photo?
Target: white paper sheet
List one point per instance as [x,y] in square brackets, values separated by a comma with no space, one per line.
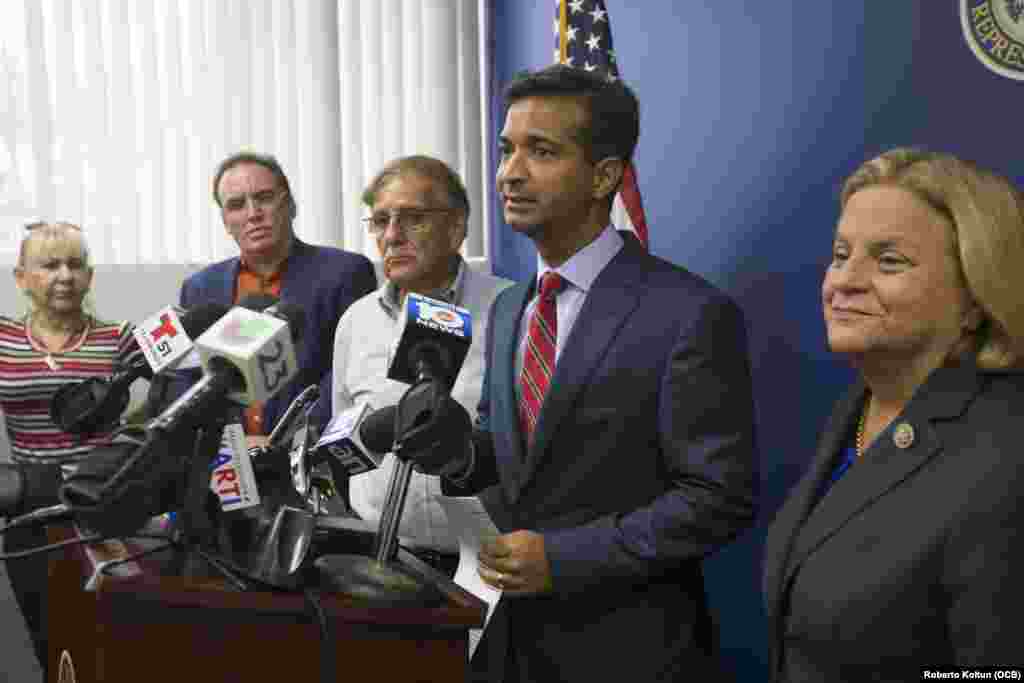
[473,526]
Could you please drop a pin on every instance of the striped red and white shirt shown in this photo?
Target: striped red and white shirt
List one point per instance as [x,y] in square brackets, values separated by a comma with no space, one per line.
[27,384]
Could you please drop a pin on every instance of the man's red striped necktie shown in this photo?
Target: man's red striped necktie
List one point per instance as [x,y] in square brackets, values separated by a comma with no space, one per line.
[539,359]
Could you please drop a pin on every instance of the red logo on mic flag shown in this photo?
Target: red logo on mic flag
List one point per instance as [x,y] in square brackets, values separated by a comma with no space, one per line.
[163,339]
[166,328]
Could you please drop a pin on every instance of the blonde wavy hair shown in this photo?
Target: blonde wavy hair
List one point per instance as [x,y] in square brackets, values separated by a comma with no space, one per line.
[55,231]
[986,212]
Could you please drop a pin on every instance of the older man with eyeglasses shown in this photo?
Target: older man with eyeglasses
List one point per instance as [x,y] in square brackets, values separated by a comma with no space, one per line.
[418,213]
[258,209]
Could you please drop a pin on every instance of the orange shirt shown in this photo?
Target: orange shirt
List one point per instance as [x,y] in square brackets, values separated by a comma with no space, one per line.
[251,282]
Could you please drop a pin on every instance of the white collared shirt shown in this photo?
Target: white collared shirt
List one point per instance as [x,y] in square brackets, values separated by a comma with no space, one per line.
[363,347]
[579,273]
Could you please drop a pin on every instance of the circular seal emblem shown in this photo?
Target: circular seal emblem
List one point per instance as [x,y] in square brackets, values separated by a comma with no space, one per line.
[903,436]
[994,30]
[66,672]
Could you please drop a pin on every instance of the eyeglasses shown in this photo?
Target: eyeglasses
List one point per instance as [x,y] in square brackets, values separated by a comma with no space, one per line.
[264,199]
[409,221]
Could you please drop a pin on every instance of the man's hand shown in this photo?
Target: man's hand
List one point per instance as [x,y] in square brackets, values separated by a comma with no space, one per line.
[516,563]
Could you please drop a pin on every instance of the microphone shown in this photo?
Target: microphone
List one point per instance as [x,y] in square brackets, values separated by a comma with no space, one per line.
[284,431]
[84,495]
[121,485]
[434,341]
[429,355]
[254,302]
[356,439]
[257,346]
[26,487]
[167,386]
[258,301]
[246,356]
[165,338]
[96,404]
[298,458]
[298,454]
[287,447]
[233,477]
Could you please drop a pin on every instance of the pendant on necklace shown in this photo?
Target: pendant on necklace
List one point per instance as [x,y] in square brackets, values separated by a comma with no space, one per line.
[51,363]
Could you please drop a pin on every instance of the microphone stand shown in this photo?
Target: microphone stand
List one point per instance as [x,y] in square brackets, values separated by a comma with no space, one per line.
[195,530]
[381,579]
[385,547]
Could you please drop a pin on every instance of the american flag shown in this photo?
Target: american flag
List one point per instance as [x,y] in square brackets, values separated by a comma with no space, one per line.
[583,39]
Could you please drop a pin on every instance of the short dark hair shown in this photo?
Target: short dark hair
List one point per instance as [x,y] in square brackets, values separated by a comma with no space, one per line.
[265,160]
[425,166]
[614,125]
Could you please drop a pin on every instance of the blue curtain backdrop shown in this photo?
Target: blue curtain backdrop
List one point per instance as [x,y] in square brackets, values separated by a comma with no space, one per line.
[752,113]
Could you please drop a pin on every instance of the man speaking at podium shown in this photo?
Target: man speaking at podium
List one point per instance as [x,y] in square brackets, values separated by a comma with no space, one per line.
[258,209]
[616,415]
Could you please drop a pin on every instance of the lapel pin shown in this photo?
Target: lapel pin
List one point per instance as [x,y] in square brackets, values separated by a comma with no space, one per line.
[903,435]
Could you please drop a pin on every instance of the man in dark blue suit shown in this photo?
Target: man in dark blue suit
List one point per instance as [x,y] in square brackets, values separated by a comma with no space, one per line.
[616,461]
[258,209]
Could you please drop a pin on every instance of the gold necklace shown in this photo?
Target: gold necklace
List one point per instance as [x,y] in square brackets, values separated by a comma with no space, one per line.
[859,442]
[68,347]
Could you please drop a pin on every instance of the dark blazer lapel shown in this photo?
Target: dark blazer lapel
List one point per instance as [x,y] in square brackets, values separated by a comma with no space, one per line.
[296,287]
[295,281]
[945,394]
[612,298]
[504,405]
[224,287]
[786,526]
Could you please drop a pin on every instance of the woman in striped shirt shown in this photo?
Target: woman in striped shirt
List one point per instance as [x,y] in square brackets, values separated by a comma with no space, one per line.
[58,341]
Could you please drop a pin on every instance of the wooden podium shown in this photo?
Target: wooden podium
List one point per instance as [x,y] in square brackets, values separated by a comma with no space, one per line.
[138,625]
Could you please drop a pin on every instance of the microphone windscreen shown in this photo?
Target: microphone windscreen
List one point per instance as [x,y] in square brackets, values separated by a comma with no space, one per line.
[140,369]
[294,315]
[84,487]
[201,317]
[150,486]
[25,488]
[435,340]
[132,366]
[72,408]
[257,301]
[12,489]
[377,432]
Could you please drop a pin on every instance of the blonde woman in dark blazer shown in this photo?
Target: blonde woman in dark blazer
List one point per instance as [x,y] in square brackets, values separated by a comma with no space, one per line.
[903,546]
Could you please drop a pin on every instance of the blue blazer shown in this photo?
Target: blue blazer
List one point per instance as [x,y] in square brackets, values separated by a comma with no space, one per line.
[324,281]
[643,464]
[914,558]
